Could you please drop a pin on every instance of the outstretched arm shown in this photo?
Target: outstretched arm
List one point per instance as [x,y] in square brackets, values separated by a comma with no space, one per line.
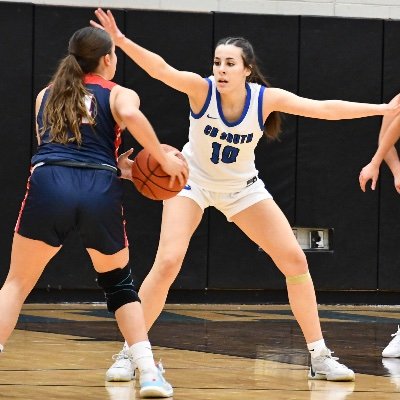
[371,171]
[391,157]
[186,82]
[281,100]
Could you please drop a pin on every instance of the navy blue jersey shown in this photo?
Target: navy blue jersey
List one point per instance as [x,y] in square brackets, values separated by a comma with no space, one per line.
[60,199]
[100,141]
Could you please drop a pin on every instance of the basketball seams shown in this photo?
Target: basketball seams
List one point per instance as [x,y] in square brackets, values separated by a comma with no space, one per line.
[150,179]
[152,171]
[145,186]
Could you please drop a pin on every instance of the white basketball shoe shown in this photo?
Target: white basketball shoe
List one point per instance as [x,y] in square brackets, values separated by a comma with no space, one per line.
[326,367]
[123,369]
[393,348]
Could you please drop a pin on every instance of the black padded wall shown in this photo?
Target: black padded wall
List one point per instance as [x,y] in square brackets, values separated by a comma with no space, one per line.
[312,172]
[16,118]
[235,261]
[389,222]
[53,26]
[339,59]
[168,111]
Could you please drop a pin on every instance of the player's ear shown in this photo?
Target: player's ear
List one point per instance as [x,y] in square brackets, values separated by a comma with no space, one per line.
[107,59]
[248,70]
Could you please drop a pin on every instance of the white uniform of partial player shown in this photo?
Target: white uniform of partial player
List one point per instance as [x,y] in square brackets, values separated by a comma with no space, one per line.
[222,171]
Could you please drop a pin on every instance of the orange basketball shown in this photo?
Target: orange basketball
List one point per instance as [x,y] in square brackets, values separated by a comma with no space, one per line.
[150,179]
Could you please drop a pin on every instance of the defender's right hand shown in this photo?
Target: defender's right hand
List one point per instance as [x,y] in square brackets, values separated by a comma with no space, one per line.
[108,23]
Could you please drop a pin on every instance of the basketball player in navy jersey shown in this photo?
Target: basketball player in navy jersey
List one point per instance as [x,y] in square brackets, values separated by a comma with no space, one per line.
[230,112]
[74,185]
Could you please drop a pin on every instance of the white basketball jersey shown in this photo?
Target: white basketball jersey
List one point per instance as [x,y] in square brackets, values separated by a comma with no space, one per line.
[221,153]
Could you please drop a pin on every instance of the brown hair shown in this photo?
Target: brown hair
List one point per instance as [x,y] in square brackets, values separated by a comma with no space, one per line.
[272,126]
[65,106]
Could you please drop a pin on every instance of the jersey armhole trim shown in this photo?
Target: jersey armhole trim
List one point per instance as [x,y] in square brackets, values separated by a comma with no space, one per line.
[42,104]
[206,104]
[260,107]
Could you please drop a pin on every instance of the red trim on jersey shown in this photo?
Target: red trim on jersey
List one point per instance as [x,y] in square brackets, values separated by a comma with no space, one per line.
[98,80]
[118,140]
[124,223]
[23,203]
[94,79]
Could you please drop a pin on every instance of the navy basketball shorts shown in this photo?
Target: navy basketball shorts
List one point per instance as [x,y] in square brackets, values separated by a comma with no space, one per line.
[62,199]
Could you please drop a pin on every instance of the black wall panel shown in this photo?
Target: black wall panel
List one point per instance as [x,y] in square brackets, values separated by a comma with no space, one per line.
[234,261]
[389,222]
[339,59]
[16,118]
[312,172]
[53,27]
[168,111]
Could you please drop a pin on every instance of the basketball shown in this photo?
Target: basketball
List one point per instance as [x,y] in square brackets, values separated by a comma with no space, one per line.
[150,179]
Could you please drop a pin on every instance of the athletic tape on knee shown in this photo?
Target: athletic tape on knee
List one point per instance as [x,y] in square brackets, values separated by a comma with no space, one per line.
[118,287]
[298,279]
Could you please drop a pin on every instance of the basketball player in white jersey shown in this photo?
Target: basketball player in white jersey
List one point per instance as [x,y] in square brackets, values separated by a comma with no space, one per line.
[229,114]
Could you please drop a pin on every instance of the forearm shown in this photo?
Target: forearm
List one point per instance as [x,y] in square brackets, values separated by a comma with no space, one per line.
[281,100]
[391,157]
[141,129]
[388,137]
[338,109]
[152,63]
[392,160]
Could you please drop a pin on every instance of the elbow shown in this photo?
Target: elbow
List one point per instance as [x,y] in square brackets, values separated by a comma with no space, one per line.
[128,116]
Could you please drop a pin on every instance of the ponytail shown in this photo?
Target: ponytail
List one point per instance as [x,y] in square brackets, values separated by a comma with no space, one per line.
[65,107]
[67,103]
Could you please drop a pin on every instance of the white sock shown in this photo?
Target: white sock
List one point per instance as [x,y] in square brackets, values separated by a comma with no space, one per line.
[315,348]
[126,347]
[1,348]
[143,356]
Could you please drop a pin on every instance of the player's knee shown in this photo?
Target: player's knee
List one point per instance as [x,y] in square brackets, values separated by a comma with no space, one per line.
[168,267]
[19,286]
[294,263]
[118,287]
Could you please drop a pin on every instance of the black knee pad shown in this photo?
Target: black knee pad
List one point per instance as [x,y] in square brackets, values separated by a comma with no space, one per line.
[118,287]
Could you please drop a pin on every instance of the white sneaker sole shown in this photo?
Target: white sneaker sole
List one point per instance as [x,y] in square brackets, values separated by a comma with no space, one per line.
[390,355]
[155,391]
[333,378]
[115,377]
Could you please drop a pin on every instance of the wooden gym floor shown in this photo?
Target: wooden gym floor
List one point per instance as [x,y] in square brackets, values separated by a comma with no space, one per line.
[218,352]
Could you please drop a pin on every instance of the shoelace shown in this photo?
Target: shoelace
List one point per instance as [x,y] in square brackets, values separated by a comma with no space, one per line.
[121,355]
[334,359]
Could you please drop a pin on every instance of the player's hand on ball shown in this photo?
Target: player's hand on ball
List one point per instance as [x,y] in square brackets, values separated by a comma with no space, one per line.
[153,181]
[176,167]
[125,164]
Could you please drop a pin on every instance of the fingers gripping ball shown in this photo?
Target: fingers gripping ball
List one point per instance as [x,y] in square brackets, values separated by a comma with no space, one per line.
[150,179]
